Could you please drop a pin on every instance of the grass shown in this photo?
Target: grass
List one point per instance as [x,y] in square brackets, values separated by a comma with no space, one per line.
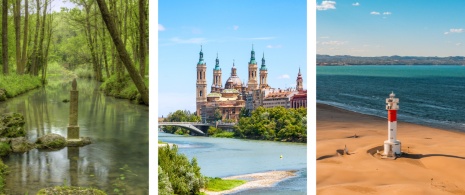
[217,184]
[123,88]
[15,85]
[84,71]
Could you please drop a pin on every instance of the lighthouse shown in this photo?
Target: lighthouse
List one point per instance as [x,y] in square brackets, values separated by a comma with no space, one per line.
[392,146]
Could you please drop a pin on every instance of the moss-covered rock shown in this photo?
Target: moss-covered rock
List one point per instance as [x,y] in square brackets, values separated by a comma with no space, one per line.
[3,172]
[5,148]
[12,125]
[20,144]
[70,190]
[51,141]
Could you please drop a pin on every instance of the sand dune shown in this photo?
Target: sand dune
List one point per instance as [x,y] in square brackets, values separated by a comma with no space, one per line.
[434,162]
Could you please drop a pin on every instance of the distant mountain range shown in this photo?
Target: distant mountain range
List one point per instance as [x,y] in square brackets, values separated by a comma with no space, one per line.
[338,60]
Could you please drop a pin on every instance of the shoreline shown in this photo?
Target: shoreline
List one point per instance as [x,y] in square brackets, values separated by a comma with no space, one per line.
[421,170]
[256,180]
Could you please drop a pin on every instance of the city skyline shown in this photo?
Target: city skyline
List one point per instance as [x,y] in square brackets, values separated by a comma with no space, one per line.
[280,37]
[385,28]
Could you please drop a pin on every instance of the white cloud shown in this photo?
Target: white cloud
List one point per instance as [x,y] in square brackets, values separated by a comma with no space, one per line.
[374,13]
[235,27]
[387,13]
[260,38]
[333,43]
[188,41]
[161,27]
[356,4]
[325,5]
[274,46]
[455,30]
[284,76]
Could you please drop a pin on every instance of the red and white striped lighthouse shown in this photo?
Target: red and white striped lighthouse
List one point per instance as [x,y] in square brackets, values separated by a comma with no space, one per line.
[392,146]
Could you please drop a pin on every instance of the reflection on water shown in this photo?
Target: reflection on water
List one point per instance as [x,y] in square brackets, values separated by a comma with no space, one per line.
[119,133]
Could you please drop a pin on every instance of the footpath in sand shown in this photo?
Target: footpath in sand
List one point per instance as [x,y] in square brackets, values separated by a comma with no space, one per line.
[256,180]
[434,162]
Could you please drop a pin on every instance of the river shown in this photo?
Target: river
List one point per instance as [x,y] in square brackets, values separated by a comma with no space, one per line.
[117,159]
[222,157]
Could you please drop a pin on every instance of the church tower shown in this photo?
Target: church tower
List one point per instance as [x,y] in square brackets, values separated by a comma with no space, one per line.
[216,85]
[263,74]
[252,83]
[201,85]
[300,81]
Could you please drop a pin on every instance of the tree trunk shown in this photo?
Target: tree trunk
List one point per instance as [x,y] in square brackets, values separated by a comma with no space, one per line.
[104,49]
[26,24]
[124,56]
[5,36]
[40,52]
[142,37]
[34,68]
[17,21]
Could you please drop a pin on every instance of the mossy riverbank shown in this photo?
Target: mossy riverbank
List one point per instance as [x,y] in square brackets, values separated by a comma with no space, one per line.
[122,88]
[13,85]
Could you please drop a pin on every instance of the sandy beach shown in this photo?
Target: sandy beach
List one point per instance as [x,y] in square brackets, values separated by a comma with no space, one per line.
[434,162]
[256,180]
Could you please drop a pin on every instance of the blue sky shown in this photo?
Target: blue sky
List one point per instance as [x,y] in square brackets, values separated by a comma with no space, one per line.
[391,27]
[275,27]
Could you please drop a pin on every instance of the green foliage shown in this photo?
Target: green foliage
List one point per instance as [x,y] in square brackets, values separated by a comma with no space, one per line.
[217,184]
[3,173]
[14,84]
[84,71]
[164,185]
[184,176]
[217,132]
[5,148]
[122,88]
[180,116]
[275,123]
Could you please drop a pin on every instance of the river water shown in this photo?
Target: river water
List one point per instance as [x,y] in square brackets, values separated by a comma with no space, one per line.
[117,159]
[222,157]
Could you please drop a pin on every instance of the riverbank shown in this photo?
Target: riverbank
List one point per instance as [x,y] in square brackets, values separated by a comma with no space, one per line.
[256,180]
[421,170]
[14,85]
[123,89]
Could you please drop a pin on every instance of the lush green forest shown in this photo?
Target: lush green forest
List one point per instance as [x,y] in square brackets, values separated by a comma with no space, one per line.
[106,40]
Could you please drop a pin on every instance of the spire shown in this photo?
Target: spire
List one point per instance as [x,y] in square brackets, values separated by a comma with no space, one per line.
[201,56]
[263,67]
[233,70]
[252,57]
[217,65]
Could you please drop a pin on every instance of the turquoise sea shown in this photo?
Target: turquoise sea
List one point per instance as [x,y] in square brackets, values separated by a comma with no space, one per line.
[429,95]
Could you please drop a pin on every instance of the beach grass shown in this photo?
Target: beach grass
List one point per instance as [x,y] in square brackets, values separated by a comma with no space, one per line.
[217,184]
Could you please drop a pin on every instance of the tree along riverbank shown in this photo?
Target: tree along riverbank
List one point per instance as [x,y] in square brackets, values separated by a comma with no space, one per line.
[274,124]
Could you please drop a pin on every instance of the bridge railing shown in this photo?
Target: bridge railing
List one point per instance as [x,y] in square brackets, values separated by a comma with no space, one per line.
[180,123]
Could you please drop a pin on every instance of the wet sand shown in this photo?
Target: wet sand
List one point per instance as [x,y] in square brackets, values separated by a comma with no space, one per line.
[433,163]
[256,180]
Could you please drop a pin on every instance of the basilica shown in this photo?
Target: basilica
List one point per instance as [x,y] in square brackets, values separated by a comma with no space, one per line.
[230,98]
